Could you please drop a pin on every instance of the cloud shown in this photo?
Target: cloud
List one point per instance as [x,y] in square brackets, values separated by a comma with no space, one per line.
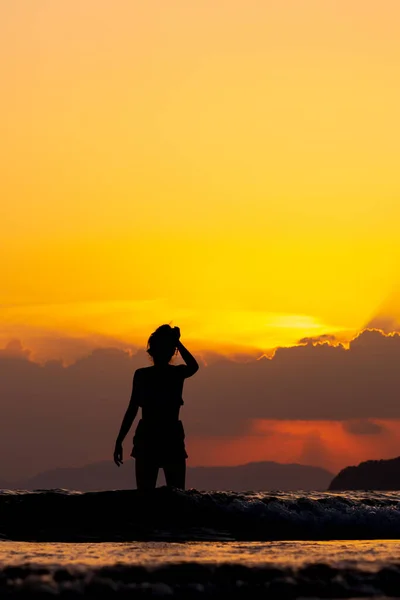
[55,415]
[387,316]
[45,345]
[327,337]
[320,382]
[385,323]
[315,451]
[363,427]
[14,349]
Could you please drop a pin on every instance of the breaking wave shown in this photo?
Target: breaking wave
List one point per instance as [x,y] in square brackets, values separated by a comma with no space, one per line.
[166,514]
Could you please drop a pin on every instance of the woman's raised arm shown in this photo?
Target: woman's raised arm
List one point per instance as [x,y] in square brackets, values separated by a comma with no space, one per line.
[192,366]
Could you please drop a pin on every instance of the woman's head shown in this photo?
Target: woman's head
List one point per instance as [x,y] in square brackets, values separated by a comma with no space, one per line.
[161,345]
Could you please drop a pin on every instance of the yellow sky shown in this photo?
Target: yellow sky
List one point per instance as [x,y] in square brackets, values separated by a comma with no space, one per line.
[231,166]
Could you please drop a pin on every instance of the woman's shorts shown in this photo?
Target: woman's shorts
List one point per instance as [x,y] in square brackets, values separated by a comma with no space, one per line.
[160,443]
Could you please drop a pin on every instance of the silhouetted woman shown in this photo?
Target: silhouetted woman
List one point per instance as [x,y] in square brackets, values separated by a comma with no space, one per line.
[159,439]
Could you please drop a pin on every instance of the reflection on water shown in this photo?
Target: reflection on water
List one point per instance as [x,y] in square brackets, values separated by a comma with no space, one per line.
[364,554]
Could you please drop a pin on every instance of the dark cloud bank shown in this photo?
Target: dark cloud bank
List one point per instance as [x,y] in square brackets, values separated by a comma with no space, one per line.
[54,416]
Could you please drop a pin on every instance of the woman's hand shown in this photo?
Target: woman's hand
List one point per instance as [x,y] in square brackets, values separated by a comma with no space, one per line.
[177,332]
[118,454]
[191,363]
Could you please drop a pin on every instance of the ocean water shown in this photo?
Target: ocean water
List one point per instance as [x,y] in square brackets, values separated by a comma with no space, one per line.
[364,554]
[174,515]
[199,544]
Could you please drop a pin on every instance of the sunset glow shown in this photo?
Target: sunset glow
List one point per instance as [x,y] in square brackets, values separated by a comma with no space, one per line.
[228,166]
[321,443]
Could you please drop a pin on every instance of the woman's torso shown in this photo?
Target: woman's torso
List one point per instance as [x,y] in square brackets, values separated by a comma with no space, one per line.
[160,393]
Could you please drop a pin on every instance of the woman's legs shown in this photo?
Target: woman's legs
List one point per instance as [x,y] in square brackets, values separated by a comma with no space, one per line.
[175,474]
[146,474]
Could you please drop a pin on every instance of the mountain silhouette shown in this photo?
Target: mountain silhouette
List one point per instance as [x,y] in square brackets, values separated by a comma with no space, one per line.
[257,476]
[369,475]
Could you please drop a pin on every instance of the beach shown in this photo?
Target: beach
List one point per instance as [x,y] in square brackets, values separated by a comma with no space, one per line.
[335,569]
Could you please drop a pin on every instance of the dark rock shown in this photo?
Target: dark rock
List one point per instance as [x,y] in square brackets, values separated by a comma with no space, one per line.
[369,475]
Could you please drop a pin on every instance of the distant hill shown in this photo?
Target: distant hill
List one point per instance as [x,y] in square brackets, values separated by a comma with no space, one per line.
[252,476]
[259,476]
[369,475]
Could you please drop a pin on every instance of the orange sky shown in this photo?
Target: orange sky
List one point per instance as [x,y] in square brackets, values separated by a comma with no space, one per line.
[319,443]
[228,166]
